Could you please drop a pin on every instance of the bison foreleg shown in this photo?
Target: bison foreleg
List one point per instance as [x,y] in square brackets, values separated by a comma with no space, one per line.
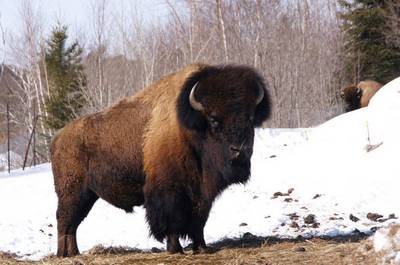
[168,213]
[199,244]
[199,220]
[173,244]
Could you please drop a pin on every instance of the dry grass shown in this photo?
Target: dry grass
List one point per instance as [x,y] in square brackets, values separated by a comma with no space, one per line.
[315,251]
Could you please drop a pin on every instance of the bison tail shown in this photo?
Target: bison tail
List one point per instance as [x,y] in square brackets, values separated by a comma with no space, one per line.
[167,212]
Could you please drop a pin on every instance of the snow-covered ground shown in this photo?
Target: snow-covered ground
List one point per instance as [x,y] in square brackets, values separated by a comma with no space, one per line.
[348,166]
[386,242]
[15,160]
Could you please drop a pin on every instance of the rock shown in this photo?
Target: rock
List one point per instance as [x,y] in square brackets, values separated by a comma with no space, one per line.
[391,216]
[335,218]
[277,194]
[316,196]
[243,224]
[309,219]
[293,216]
[248,235]
[354,218]
[300,249]
[288,200]
[294,225]
[374,216]
[315,225]
[156,250]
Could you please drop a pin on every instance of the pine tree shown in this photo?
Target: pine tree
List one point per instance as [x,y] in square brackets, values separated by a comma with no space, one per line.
[369,55]
[66,79]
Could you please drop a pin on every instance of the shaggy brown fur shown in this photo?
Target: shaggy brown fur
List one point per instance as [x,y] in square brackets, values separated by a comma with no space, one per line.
[358,96]
[155,149]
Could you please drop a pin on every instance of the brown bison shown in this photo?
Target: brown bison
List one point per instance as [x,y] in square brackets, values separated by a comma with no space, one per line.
[358,96]
[173,147]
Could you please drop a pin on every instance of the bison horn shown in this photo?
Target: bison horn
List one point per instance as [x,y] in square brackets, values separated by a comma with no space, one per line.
[260,94]
[193,102]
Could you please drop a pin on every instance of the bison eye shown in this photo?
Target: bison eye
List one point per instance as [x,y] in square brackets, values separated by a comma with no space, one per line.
[213,122]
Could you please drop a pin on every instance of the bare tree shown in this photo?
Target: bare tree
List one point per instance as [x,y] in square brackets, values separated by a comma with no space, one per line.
[297,45]
[3,48]
[221,25]
[27,72]
[393,22]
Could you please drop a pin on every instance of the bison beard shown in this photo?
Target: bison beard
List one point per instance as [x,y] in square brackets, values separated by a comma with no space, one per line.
[173,147]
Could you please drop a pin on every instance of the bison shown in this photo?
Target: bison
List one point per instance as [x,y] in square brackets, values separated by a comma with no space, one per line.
[173,147]
[358,96]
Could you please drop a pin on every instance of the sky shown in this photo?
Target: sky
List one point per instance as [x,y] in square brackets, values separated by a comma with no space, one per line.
[76,14]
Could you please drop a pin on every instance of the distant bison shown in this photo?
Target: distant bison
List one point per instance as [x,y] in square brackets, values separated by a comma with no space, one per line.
[358,96]
[173,147]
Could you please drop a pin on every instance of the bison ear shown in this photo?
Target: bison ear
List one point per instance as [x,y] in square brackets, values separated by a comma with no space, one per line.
[189,117]
[263,109]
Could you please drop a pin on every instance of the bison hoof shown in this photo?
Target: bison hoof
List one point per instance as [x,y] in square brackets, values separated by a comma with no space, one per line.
[67,246]
[204,250]
[176,251]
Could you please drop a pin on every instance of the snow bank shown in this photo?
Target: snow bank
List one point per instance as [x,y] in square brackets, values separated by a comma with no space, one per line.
[386,242]
[304,182]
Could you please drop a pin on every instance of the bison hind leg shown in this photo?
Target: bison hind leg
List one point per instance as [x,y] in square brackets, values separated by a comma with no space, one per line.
[72,209]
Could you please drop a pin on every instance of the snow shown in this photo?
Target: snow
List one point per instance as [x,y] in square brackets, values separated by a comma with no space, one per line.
[15,160]
[328,167]
[386,242]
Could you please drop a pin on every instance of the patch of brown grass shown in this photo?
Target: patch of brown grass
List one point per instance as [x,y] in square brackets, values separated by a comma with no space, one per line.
[315,251]
[7,258]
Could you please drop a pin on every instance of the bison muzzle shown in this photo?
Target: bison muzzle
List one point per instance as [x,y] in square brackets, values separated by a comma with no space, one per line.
[173,147]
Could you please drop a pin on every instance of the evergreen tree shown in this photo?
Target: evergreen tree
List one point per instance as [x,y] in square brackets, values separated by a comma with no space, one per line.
[369,55]
[66,79]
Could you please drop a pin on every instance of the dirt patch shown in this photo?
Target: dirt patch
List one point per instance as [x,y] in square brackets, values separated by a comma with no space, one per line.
[248,250]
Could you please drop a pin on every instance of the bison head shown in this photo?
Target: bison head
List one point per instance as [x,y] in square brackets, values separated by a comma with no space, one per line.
[220,106]
[352,97]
